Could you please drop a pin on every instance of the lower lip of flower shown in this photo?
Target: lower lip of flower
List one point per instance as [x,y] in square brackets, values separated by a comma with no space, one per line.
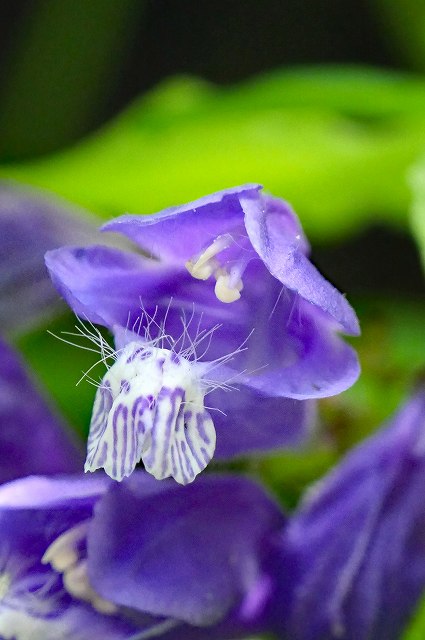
[150,407]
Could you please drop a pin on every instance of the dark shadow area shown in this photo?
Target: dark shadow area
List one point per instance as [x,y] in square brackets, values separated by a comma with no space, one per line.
[379,259]
[223,41]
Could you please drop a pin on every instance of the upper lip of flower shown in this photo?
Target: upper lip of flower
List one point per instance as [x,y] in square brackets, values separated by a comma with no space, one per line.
[188,229]
[196,233]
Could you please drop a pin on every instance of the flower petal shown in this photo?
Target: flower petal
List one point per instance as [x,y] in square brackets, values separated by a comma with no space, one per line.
[284,256]
[178,233]
[189,553]
[184,451]
[353,557]
[304,359]
[293,350]
[32,439]
[34,605]
[40,492]
[31,224]
[263,423]
[113,287]
[102,284]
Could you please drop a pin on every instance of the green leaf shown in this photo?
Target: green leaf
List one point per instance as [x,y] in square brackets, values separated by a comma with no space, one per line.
[289,473]
[364,92]
[416,628]
[339,155]
[417,211]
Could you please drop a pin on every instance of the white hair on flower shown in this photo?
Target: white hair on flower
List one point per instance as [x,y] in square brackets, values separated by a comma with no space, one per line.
[149,405]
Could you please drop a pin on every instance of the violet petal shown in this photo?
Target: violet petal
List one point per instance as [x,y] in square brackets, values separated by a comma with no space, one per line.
[353,556]
[284,256]
[190,553]
[177,233]
[30,224]
[32,438]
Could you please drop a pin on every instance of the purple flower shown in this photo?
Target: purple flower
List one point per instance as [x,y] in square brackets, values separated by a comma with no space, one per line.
[277,341]
[32,440]
[30,224]
[87,558]
[42,521]
[353,557]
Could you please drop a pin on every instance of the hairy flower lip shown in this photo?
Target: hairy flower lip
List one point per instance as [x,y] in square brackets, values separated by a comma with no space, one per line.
[150,407]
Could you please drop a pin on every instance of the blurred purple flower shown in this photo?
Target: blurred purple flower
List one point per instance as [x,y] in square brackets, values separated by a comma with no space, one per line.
[277,342]
[36,603]
[353,557]
[30,224]
[88,558]
[32,439]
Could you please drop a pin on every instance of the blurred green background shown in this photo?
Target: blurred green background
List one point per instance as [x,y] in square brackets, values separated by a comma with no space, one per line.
[130,105]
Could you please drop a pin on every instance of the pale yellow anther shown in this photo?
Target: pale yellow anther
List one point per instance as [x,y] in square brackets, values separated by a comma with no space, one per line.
[204,265]
[226,293]
[63,552]
[76,582]
[103,606]
[201,269]
[63,555]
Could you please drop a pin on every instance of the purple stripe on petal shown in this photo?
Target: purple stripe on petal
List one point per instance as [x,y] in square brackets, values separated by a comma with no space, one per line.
[200,425]
[193,450]
[173,459]
[115,441]
[124,440]
[103,454]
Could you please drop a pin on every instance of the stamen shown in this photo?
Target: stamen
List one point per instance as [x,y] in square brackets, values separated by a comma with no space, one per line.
[63,552]
[204,265]
[229,269]
[76,582]
[5,582]
[157,629]
[64,556]
[224,290]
